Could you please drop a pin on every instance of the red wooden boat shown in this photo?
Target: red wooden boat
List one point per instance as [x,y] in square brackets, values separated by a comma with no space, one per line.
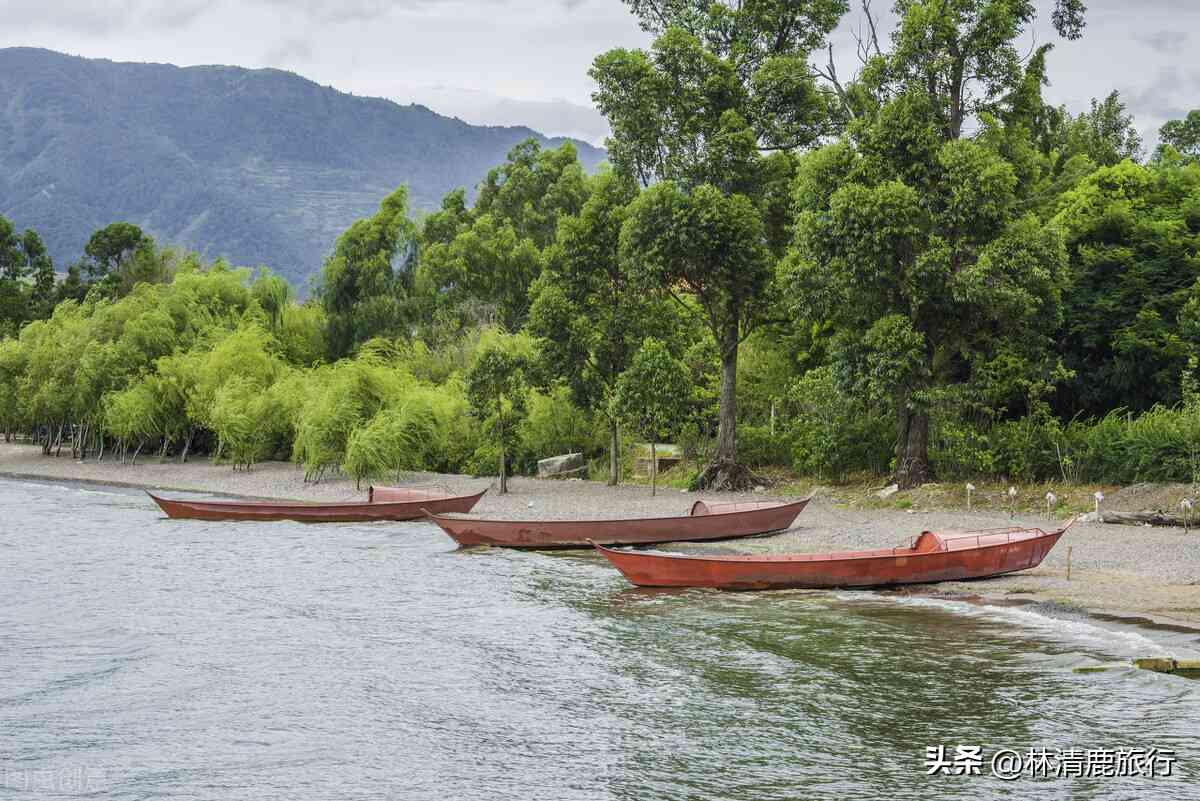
[707,521]
[950,556]
[352,512]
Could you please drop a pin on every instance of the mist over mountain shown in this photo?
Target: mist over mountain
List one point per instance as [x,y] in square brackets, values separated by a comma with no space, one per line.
[259,166]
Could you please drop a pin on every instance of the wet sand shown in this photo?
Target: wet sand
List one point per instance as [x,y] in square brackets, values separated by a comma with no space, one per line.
[1152,573]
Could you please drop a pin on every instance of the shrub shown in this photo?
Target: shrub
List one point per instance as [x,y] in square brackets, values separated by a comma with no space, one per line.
[833,434]
[758,447]
[552,426]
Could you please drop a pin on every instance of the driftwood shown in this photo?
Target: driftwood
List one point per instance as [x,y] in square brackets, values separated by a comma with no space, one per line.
[1156,518]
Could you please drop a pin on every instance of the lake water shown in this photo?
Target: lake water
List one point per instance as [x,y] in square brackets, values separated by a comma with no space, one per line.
[147,658]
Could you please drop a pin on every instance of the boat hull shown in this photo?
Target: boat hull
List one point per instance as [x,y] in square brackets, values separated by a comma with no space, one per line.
[707,522]
[355,512]
[825,571]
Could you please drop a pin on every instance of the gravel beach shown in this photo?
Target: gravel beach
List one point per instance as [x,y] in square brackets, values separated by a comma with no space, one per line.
[1127,571]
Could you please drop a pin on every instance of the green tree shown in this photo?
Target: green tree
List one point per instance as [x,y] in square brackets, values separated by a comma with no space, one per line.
[111,247]
[478,264]
[1134,245]
[366,281]
[709,245]
[912,241]
[496,390]
[722,85]
[652,396]
[13,269]
[588,314]
[396,439]
[1106,134]
[42,293]
[12,370]
[1183,135]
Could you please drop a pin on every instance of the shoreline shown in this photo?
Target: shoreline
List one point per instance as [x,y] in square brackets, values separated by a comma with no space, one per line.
[1130,575]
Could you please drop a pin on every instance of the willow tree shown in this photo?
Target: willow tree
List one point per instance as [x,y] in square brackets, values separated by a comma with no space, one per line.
[913,238]
[723,87]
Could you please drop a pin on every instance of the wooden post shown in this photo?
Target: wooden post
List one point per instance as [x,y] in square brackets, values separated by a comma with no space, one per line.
[1069,549]
[653,469]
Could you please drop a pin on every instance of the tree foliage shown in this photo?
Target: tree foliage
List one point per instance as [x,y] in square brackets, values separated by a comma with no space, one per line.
[366,281]
[722,85]
[651,396]
[497,391]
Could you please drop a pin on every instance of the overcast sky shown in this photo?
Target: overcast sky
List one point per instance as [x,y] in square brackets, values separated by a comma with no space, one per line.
[525,61]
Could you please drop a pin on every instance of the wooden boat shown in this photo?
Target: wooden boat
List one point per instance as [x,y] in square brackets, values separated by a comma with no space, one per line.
[707,521]
[951,556]
[352,512]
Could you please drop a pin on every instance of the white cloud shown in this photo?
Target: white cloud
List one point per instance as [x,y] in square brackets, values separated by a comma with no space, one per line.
[513,61]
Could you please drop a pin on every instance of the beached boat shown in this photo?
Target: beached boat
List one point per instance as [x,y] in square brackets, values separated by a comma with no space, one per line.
[357,511]
[932,557]
[707,521]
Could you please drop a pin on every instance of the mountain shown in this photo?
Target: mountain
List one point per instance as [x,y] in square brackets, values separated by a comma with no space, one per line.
[258,166]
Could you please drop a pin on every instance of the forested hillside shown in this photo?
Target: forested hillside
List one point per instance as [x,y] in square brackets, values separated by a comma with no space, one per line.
[259,166]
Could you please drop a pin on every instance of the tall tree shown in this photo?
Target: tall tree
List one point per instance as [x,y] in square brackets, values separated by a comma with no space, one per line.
[496,389]
[366,280]
[111,246]
[914,241]
[13,269]
[588,314]
[41,273]
[723,85]
[481,262]
[26,278]
[1133,237]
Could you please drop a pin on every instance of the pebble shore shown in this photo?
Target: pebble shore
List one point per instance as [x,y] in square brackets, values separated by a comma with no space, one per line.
[1151,573]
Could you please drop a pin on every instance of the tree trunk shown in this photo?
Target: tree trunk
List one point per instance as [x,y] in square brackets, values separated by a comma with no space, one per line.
[187,445]
[503,459]
[912,448]
[1157,518]
[723,473]
[136,451]
[58,442]
[503,472]
[614,445]
[653,469]
[727,432]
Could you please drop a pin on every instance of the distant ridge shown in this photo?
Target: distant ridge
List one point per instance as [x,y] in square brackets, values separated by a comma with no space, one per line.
[260,166]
